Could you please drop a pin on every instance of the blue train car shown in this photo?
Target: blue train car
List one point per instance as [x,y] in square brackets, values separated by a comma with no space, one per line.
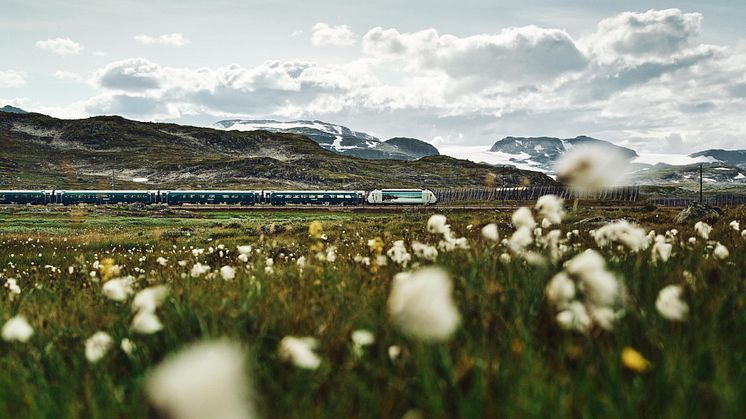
[105,197]
[210,197]
[314,197]
[25,197]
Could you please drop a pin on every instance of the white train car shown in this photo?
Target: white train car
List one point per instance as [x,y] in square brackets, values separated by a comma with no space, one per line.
[401,197]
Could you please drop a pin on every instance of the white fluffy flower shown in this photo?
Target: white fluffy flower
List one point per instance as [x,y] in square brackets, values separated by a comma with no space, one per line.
[589,168]
[720,252]
[599,286]
[97,346]
[127,346]
[118,289]
[420,304]
[12,285]
[146,323]
[398,253]
[227,273]
[490,232]
[575,317]
[561,290]
[162,261]
[199,269]
[424,251]
[150,298]
[550,207]
[735,225]
[205,380]
[661,249]
[299,351]
[703,229]
[243,250]
[437,224]
[670,305]
[522,217]
[630,235]
[520,239]
[17,329]
[360,339]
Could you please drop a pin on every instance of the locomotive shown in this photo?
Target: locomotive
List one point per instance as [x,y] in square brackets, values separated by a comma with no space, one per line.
[219,197]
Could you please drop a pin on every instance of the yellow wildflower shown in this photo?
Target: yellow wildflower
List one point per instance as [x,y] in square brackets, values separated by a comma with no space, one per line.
[315,229]
[634,360]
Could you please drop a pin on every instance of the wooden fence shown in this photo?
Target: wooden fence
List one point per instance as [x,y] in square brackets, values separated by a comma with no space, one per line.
[719,200]
[622,193]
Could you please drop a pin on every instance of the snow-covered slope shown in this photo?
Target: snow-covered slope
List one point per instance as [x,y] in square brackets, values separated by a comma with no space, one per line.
[339,139]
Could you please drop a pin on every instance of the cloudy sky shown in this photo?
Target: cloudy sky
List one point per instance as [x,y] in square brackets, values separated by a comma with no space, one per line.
[667,79]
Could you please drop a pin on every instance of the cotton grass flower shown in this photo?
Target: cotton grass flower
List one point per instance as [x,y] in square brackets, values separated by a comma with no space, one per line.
[17,329]
[199,270]
[574,317]
[490,232]
[227,273]
[118,289]
[421,305]
[150,298]
[423,251]
[661,249]
[522,217]
[735,226]
[205,380]
[520,239]
[127,346]
[703,229]
[438,224]
[590,168]
[299,351]
[670,305]
[720,252]
[551,208]
[97,346]
[146,323]
[623,232]
[398,253]
[360,339]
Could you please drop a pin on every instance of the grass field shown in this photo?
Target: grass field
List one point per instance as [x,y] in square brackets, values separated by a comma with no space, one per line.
[509,356]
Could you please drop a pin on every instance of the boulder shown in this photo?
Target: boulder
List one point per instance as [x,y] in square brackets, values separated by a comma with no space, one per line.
[698,212]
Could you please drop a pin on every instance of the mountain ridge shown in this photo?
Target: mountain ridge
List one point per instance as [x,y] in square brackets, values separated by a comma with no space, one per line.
[338,138]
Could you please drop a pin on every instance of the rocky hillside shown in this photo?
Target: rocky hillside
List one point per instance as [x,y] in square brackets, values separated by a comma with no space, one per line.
[12,109]
[542,152]
[730,157]
[43,152]
[339,139]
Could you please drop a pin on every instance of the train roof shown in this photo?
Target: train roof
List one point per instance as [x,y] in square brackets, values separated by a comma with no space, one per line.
[104,191]
[209,191]
[316,191]
[24,191]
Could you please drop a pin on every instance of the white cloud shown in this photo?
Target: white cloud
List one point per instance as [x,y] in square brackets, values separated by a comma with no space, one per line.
[519,55]
[12,79]
[169,40]
[60,46]
[642,36]
[67,76]
[325,34]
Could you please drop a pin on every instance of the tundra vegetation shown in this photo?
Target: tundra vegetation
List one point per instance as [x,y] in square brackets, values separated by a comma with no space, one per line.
[541,312]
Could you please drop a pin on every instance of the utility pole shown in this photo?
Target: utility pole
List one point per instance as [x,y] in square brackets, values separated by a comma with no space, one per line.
[701,201]
[113,186]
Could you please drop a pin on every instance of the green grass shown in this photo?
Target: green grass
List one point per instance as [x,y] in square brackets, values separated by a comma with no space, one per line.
[507,359]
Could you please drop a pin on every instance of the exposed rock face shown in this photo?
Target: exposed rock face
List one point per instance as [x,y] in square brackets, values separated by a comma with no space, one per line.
[339,139]
[698,212]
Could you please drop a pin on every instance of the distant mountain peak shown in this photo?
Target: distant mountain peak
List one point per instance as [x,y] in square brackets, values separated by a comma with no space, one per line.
[338,138]
[12,109]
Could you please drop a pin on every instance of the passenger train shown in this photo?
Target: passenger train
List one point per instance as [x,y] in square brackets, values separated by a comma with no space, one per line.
[217,197]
